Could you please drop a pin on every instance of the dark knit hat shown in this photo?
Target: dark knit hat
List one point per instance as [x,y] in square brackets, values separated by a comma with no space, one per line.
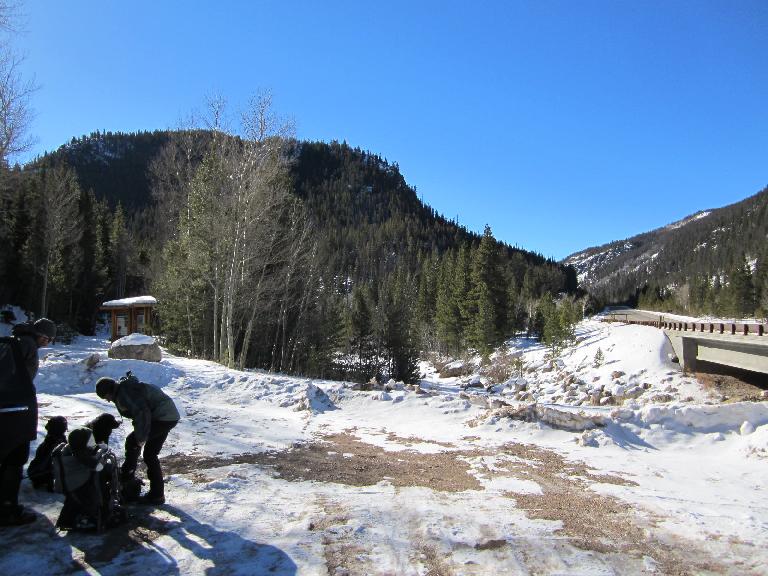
[78,438]
[56,425]
[45,327]
[105,386]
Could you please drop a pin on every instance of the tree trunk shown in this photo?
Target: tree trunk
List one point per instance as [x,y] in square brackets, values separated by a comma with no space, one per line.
[44,297]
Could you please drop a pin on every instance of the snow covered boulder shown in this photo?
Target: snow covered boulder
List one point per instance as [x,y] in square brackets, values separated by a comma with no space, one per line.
[136,347]
[563,419]
[588,439]
[568,419]
[747,428]
[474,382]
[454,369]
[91,361]
[309,398]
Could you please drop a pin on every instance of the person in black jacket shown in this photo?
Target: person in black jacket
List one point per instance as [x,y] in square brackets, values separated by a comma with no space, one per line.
[18,417]
[153,414]
[40,469]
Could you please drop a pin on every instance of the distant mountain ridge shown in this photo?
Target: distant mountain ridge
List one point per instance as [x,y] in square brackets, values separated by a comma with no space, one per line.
[707,243]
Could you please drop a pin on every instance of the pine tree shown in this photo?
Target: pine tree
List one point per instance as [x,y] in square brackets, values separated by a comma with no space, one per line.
[398,334]
[761,284]
[552,333]
[361,336]
[742,291]
[119,252]
[487,296]
[91,281]
[426,300]
[447,314]
[599,358]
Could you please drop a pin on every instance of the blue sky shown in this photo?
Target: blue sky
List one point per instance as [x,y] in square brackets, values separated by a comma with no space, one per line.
[561,124]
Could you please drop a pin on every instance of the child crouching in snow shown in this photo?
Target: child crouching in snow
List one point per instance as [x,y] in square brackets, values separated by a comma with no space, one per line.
[86,474]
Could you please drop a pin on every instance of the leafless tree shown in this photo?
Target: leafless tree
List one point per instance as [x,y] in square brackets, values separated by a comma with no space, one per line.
[238,222]
[15,91]
[59,220]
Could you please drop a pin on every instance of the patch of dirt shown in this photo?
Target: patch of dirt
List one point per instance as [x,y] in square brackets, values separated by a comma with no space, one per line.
[412,440]
[342,555]
[343,459]
[491,545]
[433,560]
[732,385]
[592,521]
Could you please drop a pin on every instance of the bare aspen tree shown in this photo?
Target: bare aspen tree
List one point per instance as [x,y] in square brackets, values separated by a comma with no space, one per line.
[15,92]
[298,236]
[233,226]
[259,191]
[59,220]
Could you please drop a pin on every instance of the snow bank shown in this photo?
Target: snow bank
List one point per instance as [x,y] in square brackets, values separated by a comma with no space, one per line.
[705,419]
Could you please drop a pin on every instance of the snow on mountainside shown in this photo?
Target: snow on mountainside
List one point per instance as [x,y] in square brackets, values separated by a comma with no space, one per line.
[638,252]
[588,262]
[601,463]
[100,150]
[684,221]
[709,242]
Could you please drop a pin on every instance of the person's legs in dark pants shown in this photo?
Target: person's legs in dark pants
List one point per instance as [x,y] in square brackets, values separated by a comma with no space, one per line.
[157,434]
[11,473]
[11,469]
[132,451]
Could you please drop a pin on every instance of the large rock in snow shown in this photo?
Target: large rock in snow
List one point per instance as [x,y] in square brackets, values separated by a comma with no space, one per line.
[311,398]
[574,421]
[136,347]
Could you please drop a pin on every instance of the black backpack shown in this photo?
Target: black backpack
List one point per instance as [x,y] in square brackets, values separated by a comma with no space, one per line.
[59,482]
[15,384]
[110,511]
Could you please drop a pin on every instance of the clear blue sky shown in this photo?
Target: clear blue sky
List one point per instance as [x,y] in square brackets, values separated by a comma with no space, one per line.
[561,124]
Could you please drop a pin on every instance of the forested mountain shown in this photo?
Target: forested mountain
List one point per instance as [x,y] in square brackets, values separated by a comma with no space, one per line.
[712,262]
[113,165]
[264,251]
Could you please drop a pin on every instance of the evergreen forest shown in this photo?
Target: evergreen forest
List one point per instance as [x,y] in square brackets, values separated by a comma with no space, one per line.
[263,251]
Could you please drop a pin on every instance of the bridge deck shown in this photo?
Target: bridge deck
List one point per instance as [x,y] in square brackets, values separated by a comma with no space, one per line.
[736,344]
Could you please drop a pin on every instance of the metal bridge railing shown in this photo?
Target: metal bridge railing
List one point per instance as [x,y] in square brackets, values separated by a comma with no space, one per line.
[732,328]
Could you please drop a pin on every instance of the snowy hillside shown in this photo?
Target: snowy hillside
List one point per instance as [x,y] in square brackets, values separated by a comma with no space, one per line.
[623,466]
[708,242]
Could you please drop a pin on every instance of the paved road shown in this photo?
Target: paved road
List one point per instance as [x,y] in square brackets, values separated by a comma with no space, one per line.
[634,315]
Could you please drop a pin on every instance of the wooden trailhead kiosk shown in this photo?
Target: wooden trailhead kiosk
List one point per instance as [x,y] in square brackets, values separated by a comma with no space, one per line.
[130,315]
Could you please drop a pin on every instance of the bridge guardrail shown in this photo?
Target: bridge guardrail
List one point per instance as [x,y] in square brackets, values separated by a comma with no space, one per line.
[733,328]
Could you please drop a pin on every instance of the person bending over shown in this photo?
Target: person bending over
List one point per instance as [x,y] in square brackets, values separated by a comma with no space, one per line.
[153,414]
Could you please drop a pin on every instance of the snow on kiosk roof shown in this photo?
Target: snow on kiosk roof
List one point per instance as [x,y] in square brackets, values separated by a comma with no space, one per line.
[131,302]
[129,315]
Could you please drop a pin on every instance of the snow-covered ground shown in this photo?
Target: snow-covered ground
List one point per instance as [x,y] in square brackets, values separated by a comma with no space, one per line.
[624,466]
